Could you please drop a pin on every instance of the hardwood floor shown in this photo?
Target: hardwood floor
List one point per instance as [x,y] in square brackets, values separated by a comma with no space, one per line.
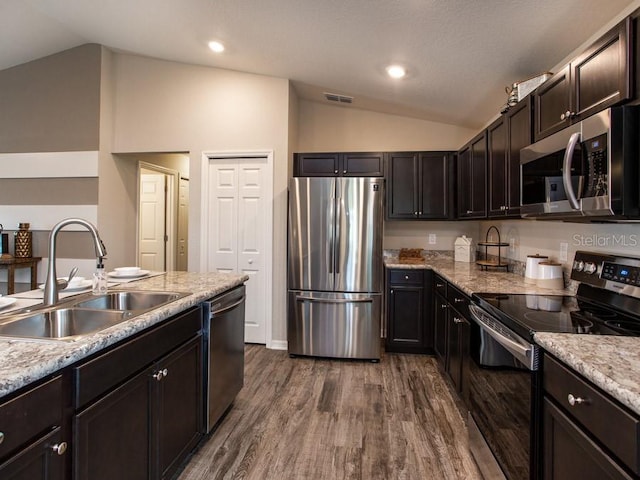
[306,418]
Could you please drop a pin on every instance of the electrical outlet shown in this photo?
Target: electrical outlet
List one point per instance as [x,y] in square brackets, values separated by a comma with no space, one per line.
[564,247]
[432,239]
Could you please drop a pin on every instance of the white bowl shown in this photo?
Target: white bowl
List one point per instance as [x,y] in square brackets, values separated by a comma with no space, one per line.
[127,270]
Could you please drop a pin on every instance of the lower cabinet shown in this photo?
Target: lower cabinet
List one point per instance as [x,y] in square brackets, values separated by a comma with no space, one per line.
[587,435]
[33,443]
[144,427]
[409,319]
[452,333]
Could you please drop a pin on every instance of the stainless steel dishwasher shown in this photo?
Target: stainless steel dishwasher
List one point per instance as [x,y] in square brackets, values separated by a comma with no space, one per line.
[224,351]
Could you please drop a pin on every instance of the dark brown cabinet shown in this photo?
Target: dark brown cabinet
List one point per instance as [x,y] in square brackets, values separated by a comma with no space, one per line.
[597,79]
[506,136]
[33,445]
[356,164]
[472,178]
[419,185]
[586,433]
[452,333]
[409,323]
[145,422]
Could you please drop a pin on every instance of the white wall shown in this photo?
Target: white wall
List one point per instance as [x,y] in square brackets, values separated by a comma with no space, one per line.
[163,106]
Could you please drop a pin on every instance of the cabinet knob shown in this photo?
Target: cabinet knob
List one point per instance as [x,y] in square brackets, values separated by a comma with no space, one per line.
[59,448]
[406,277]
[469,212]
[573,401]
[567,115]
[1,437]
[458,300]
[443,305]
[344,171]
[391,292]
[160,374]
[415,214]
[439,285]
[456,320]
[335,171]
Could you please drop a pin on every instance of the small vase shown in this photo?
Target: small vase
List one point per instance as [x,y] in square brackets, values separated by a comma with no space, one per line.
[23,242]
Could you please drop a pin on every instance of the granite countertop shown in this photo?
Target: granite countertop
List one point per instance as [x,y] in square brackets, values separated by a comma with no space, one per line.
[610,362]
[25,361]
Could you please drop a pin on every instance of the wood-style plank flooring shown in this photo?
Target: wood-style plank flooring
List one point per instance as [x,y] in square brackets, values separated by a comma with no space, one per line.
[306,418]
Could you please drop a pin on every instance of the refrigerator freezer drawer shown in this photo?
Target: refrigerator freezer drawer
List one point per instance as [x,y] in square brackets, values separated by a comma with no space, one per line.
[338,325]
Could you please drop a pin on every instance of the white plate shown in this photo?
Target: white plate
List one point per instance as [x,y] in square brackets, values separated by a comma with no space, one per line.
[141,273]
[6,301]
[75,287]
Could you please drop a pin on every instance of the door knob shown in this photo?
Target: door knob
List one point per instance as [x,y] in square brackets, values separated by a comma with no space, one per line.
[250,262]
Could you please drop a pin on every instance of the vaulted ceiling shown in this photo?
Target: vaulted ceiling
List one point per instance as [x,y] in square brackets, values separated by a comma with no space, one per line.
[459,54]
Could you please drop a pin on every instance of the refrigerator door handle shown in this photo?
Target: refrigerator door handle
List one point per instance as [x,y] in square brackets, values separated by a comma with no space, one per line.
[335,300]
[332,234]
[338,217]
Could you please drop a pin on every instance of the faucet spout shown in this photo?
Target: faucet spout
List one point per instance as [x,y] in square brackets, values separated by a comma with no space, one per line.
[51,296]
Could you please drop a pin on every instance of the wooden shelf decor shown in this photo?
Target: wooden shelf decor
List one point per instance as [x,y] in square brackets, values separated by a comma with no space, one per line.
[486,263]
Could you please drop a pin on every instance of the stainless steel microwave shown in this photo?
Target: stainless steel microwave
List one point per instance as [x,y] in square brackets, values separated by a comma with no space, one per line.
[587,172]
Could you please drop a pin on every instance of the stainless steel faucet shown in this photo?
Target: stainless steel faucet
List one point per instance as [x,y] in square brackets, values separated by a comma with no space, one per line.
[51,284]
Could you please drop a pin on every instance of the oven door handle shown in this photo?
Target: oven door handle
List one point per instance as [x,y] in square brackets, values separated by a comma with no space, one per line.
[566,172]
[523,351]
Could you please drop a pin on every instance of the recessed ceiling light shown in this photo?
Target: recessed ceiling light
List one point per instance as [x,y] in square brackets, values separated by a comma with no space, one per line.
[216,47]
[396,71]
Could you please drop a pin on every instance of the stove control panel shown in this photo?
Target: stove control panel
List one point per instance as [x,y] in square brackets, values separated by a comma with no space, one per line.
[617,273]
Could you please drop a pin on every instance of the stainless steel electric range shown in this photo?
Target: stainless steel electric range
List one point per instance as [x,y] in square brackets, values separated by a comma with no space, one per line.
[504,383]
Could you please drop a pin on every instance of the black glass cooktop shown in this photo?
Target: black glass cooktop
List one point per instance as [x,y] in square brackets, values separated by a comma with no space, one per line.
[527,314]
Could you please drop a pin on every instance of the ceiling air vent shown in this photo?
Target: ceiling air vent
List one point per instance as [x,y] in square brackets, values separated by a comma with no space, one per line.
[334,97]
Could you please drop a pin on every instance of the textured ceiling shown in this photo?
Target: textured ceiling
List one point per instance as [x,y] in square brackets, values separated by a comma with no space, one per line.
[460,54]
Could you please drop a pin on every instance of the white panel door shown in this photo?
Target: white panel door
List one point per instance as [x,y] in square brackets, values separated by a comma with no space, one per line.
[152,234]
[237,230]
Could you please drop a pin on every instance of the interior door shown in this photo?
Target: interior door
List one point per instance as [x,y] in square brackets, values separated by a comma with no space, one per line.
[238,228]
[152,228]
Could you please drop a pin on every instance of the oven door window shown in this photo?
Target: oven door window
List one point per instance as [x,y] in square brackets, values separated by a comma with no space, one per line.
[500,393]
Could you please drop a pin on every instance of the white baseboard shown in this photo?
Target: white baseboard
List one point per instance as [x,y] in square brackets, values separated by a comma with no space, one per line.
[278,345]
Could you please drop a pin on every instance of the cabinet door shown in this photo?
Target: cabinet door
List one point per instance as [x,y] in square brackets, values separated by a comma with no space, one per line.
[402,186]
[519,136]
[600,77]
[552,102]
[405,317]
[464,182]
[112,436]
[440,328]
[42,460]
[569,454]
[498,160]
[316,164]
[178,406]
[472,179]
[458,351]
[435,188]
[362,164]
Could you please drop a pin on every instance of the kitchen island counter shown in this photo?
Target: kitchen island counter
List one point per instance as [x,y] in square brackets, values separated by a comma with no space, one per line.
[26,361]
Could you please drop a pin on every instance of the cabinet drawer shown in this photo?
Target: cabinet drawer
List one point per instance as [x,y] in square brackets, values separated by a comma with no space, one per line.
[30,414]
[104,372]
[458,300]
[440,286]
[610,423]
[406,277]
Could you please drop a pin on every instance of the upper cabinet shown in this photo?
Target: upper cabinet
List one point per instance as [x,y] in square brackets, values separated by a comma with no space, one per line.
[419,185]
[597,79]
[472,178]
[338,164]
[506,136]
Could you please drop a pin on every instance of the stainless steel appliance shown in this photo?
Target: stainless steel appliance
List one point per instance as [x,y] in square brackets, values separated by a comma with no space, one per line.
[588,171]
[335,267]
[505,390]
[224,353]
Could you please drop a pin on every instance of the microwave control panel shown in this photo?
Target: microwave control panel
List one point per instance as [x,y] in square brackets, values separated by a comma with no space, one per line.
[597,166]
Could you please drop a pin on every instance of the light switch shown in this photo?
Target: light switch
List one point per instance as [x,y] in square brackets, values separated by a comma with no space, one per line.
[432,239]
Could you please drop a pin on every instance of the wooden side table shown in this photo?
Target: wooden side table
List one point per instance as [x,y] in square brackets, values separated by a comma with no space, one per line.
[12,263]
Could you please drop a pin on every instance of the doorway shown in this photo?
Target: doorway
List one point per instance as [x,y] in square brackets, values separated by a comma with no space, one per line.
[237,229]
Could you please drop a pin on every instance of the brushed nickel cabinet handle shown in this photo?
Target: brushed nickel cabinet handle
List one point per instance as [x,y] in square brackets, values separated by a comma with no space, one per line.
[458,300]
[59,448]
[573,401]
[1,437]
[456,320]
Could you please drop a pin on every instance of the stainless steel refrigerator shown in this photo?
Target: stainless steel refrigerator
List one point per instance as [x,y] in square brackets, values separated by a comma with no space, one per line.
[335,267]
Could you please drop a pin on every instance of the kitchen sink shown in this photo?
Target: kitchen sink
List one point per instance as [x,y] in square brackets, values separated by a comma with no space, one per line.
[129,300]
[62,323]
[83,315]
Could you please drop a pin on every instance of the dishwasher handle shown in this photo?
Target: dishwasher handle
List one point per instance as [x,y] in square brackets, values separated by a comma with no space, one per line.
[218,308]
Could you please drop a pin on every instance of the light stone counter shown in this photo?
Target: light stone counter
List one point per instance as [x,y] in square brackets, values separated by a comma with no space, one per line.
[610,362]
[25,361]
[470,278]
